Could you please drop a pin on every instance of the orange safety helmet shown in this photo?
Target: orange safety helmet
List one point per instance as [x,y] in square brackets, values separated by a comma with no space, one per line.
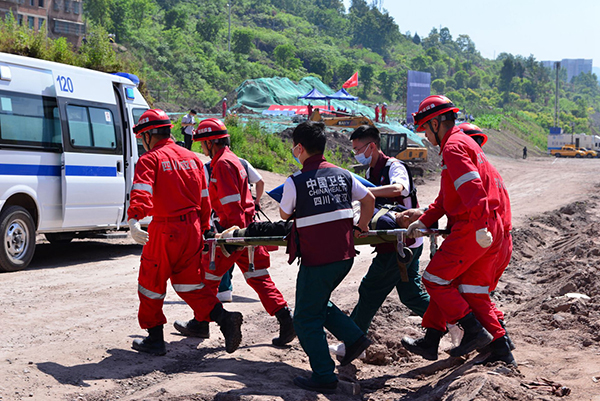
[474,132]
[430,107]
[209,129]
[150,120]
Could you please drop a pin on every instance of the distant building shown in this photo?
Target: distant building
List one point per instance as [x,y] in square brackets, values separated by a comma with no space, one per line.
[556,141]
[62,17]
[574,66]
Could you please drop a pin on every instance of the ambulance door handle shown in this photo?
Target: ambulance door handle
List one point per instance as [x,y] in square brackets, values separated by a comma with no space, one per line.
[119,166]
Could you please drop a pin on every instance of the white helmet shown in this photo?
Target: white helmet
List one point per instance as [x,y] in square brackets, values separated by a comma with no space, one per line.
[385,104]
[225,98]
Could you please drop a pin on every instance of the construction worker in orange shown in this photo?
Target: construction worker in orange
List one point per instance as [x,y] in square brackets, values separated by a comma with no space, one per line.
[170,186]
[459,276]
[234,209]
[224,107]
[377,113]
[383,112]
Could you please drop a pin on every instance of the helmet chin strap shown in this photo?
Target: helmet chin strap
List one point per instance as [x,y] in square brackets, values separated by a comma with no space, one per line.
[435,132]
[146,142]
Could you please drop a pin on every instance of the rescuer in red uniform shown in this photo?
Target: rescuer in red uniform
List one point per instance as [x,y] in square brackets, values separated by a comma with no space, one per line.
[507,245]
[233,207]
[459,276]
[169,185]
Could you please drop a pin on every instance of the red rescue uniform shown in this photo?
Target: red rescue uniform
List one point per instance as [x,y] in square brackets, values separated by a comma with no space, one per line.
[233,205]
[460,275]
[169,184]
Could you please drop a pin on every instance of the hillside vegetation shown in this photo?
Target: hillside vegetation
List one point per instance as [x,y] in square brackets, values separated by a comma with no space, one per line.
[180,50]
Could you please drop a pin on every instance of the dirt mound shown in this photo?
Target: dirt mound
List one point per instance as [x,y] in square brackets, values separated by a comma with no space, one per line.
[556,259]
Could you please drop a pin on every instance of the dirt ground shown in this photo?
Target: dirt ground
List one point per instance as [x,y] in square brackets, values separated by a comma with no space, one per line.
[67,322]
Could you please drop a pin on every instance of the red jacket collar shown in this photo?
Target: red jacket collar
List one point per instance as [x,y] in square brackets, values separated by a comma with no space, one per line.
[313,162]
[453,131]
[163,142]
[219,154]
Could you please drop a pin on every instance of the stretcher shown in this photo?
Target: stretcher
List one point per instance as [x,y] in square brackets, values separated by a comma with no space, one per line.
[371,237]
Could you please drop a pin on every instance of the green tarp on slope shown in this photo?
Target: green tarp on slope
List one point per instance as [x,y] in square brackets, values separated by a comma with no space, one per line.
[258,94]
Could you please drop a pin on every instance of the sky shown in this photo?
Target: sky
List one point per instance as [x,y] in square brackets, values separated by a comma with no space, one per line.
[550,29]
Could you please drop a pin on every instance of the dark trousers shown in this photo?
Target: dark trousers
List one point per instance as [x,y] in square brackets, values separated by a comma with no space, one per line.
[314,311]
[383,276]
[187,141]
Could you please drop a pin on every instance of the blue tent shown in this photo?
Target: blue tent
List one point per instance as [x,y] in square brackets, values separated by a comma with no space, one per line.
[342,95]
[314,94]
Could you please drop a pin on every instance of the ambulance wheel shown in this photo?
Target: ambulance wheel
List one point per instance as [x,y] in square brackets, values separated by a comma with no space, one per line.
[59,238]
[18,239]
[557,154]
[578,155]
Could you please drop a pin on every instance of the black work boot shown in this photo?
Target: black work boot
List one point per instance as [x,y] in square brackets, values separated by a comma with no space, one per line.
[500,351]
[153,344]
[511,345]
[193,328]
[475,336]
[487,348]
[230,324]
[353,351]
[426,346]
[286,327]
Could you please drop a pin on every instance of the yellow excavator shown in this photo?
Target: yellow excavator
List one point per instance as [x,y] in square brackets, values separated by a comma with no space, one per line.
[396,145]
[342,119]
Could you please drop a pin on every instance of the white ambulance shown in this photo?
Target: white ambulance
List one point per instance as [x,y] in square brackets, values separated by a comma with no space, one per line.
[67,153]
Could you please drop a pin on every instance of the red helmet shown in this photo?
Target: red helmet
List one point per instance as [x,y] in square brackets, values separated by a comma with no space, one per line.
[211,128]
[151,119]
[430,107]
[474,132]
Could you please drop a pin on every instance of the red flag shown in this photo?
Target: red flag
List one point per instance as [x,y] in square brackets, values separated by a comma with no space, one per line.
[352,81]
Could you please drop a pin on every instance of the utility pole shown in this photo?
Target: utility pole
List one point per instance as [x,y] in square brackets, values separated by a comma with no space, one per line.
[229,34]
[557,67]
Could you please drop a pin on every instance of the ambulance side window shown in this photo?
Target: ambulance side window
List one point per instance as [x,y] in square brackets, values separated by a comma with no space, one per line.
[137,113]
[28,120]
[92,127]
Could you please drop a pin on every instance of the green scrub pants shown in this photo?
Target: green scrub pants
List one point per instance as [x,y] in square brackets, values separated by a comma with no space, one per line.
[383,276]
[314,311]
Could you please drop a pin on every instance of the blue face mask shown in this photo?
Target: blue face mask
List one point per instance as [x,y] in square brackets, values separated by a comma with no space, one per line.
[295,158]
[360,157]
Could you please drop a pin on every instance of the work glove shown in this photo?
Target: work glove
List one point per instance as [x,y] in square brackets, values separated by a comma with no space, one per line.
[413,229]
[225,248]
[484,238]
[140,236]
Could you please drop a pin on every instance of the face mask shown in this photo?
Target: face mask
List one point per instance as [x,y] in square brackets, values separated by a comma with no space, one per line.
[295,158]
[365,161]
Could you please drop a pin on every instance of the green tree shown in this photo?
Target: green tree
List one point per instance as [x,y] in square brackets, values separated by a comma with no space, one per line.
[209,27]
[438,86]
[445,37]
[461,78]
[283,53]
[176,18]
[98,11]
[474,82]
[366,73]
[416,39]
[241,41]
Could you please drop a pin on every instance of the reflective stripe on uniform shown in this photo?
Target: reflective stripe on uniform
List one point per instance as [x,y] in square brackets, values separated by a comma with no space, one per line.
[212,277]
[473,289]
[231,198]
[150,294]
[470,176]
[324,218]
[444,167]
[435,279]
[213,179]
[256,273]
[142,187]
[187,287]
[204,193]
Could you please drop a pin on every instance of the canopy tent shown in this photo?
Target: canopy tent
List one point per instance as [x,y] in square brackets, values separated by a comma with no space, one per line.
[342,95]
[314,94]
